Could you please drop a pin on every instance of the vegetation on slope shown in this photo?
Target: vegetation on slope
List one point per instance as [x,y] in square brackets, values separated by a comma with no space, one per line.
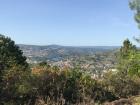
[22,85]
[43,84]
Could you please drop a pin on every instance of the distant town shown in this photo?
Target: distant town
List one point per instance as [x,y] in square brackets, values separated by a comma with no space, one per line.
[92,60]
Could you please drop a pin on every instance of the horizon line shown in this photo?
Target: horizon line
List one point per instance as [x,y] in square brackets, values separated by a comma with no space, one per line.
[70,45]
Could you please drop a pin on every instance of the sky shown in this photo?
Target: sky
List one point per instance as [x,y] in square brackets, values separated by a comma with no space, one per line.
[68,22]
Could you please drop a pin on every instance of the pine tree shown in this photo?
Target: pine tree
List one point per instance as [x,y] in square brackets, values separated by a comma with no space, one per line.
[10,54]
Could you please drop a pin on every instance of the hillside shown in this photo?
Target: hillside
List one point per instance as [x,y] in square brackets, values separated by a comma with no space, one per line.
[56,52]
[93,59]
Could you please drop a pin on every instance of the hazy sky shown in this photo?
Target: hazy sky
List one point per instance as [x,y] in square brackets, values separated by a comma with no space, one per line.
[67,22]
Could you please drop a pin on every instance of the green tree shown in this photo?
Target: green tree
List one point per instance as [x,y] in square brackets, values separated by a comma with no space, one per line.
[10,54]
[127,49]
[135,5]
[14,72]
[125,55]
[135,59]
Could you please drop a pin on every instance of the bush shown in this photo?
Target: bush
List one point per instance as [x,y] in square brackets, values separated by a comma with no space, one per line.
[122,85]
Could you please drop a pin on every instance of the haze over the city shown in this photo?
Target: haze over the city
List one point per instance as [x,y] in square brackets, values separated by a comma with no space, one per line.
[68,22]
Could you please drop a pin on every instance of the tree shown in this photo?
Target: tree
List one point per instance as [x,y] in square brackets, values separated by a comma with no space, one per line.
[135,5]
[14,72]
[129,59]
[135,59]
[10,54]
[127,49]
[125,55]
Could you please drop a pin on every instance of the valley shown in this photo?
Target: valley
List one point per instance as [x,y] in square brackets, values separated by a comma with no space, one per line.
[91,59]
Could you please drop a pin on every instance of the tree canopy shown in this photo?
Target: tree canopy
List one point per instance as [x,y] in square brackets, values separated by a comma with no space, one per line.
[135,5]
[10,54]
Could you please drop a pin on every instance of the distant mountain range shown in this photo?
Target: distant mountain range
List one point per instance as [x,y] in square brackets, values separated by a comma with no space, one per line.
[57,52]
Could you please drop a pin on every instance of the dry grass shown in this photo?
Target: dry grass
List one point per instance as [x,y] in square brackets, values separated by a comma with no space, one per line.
[62,102]
[135,100]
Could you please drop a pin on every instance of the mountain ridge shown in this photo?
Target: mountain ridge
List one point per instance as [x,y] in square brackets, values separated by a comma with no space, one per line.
[56,45]
[58,52]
